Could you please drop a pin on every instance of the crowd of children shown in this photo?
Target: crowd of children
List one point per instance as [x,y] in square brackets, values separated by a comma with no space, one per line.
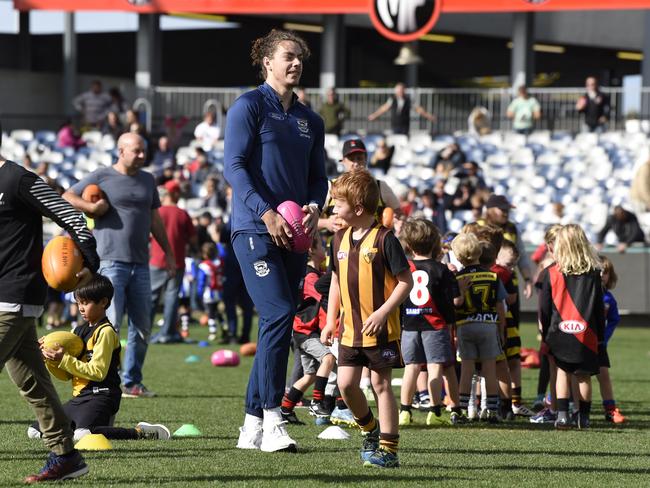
[447,309]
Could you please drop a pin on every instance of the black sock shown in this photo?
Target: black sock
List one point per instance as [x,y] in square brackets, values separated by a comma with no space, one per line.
[340,403]
[464,400]
[562,408]
[328,402]
[457,410]
[585,408]
[405,408]
[319,388]
[506,406]
[118,433]
[436,410]
[492,402]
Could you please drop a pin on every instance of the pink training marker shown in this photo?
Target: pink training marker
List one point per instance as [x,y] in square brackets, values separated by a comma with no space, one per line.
[293,214]
[224,357]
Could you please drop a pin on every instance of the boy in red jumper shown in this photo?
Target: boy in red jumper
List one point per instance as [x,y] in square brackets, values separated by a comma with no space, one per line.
[317,359]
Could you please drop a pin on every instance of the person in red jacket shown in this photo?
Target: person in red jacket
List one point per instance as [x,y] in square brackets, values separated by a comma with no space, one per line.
[316,358]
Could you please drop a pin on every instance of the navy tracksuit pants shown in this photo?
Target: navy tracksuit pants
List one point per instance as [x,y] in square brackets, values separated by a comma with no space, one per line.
[272,276]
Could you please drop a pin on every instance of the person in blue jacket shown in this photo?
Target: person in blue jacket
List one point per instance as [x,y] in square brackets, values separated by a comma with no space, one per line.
[274,151]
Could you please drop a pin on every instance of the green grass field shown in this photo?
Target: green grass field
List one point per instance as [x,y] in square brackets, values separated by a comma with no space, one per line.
[517,454]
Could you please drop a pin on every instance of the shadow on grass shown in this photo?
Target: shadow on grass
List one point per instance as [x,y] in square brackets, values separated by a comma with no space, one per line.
[588,470]
[536,452]
[381,475]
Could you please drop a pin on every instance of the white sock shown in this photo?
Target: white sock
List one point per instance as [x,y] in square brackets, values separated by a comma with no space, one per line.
[364,383]
[251,422]
[272,416]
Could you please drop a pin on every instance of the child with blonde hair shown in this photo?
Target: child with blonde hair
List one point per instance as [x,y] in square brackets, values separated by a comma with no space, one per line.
[572,318]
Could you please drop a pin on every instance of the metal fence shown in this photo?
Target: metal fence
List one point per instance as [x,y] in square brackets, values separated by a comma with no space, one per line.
[451,106]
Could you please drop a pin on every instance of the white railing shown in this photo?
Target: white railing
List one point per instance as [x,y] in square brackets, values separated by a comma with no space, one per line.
[452,106]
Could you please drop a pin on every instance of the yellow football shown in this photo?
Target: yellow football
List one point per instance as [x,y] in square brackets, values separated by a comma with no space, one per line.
[71,344]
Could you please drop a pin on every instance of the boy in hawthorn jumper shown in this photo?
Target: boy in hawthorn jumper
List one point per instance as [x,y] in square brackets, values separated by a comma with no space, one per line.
[96,392]
[480,321]
[316,358]
[428,317]
[370,279]
[572,319]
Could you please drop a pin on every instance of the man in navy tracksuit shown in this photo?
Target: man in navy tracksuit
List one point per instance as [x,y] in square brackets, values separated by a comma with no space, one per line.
[273,152]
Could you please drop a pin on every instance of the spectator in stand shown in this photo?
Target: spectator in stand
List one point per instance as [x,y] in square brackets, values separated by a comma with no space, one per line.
[113,125]
[93,104]
[640,190]
[524,110]
[382,156]
[334,113]
[409,202]
[208,132]
[595,105]
[205,229]
[165,156]
[400,107]
[626,227]
[213,197]
[302,96]
[448,158]
[434,204]
[67,136]
[118,104]
[479,122]
[181,233]
[200,168]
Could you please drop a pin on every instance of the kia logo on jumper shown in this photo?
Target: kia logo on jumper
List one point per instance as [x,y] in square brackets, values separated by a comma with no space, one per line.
[572,327]
[404,20]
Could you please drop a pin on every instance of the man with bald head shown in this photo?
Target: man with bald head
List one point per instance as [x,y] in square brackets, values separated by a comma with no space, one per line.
[123,221]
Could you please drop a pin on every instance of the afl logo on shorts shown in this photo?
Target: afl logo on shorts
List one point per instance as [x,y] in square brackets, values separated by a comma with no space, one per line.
[404,20]
[572,326]
[388,354]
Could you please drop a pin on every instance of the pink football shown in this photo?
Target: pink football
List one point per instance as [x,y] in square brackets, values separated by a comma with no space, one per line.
[293,214]
[224,357]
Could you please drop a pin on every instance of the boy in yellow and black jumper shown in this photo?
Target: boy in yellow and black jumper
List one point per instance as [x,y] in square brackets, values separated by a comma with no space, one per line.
[370,279]
[96,392]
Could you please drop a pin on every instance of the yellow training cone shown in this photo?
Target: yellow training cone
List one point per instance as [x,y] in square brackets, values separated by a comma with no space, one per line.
[94,442]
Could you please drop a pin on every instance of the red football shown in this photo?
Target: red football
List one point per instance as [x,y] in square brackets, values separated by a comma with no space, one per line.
[293,214]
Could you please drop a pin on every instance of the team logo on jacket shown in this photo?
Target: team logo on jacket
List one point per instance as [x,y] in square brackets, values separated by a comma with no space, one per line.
[341,255]
[303,125]
[572,326]
[261,268]
[369,254]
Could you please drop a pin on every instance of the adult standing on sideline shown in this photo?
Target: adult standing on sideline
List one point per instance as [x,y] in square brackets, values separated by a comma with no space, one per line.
[24,200]
[400,107]
[334,113]
[274,151]
[595,105]
[93,104]
[524,110]
[180,233]
[123,222]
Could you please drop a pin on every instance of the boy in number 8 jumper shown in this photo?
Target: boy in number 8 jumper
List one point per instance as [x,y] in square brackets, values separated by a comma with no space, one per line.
[370,279]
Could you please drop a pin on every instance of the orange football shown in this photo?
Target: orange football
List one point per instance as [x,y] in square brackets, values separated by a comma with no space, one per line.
[248,349]
[61,262]
[92,193]
[387,217]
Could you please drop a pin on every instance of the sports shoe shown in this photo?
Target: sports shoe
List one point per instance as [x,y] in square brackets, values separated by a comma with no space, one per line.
[425,405]
[493,417]
[472,413]
[580,421]
[483,416]
[153,431]
[291,418]
[275,438]
[342,416]
[615,416]
[405,418]
[370,443]
[33,433]
[320,421]
[544,416]
[456,418]
[79,434]
[522,410]
[59,468]
[136,391]
[538,404]
[509,417]
[249,438]
[382,459]
[433,419]
[317,409]
[563,424]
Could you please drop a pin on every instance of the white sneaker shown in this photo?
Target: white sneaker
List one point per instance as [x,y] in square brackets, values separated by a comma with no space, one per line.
[154,431]
[79,433]
[33,433]
[275,438]
[249,438]
[522,410]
